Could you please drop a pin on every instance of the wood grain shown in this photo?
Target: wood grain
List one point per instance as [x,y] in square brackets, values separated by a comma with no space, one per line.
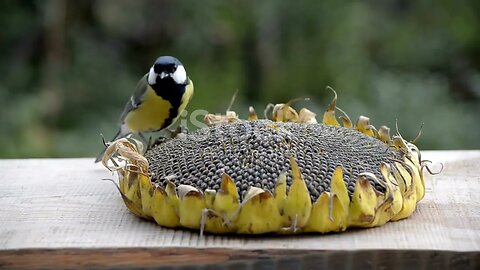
[52,205]
[214,258]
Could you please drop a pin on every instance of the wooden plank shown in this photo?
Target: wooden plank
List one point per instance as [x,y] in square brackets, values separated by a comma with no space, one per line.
[215,258]
[63,203]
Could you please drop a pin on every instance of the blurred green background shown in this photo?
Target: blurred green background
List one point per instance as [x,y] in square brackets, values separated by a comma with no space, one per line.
[68,67]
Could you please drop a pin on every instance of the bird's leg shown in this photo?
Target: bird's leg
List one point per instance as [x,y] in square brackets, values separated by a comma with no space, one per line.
[145,140]
[183,128]
[148,142]
[172,133]
[167,133]
[177,131]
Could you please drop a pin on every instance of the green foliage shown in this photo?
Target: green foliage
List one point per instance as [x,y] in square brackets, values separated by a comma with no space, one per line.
[68,67]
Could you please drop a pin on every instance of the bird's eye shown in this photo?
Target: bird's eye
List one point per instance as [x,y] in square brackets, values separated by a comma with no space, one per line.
[157,69]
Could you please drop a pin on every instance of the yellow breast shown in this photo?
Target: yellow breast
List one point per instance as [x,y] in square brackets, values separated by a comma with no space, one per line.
[150,115]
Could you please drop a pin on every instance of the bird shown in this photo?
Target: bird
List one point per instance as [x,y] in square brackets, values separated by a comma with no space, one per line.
[160,97]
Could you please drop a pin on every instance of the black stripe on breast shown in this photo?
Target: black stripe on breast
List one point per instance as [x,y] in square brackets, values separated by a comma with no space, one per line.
[169,90]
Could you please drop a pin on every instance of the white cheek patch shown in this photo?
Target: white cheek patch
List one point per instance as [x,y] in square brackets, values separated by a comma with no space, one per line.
[180,75]
[152,77]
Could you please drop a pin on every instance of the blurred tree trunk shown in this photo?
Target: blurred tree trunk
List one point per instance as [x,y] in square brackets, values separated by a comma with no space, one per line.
[52,94]
[253,67]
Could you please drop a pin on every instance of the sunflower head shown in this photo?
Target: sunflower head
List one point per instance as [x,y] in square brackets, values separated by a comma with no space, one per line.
[289,174]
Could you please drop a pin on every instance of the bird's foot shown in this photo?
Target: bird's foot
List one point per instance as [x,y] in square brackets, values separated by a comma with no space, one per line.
[170,134]
[148,142]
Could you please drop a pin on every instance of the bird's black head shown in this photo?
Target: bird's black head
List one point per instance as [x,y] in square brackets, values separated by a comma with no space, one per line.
[167,68]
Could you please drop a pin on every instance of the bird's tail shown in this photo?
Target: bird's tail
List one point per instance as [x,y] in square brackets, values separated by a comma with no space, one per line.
[100,156]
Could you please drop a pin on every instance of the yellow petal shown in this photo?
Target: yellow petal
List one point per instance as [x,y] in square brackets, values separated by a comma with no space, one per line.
[259,213]
[405,185]
[384,134]
[298,204]
[146,191]
[284,113]
[190,207]
[164,209]
[338,188]
[226,201]
[329,115]
[393,201]
[252,115]
[328,215]
[307,116]
[364,201]
[363,125]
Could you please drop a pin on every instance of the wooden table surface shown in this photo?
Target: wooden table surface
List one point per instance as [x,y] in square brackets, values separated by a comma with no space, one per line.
[58,213]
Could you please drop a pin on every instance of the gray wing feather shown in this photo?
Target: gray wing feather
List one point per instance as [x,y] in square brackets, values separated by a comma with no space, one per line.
[136,99]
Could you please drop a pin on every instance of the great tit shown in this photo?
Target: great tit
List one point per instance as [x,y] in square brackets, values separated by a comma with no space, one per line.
[159,99]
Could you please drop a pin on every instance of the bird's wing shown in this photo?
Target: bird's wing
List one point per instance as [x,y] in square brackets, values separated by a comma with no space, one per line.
[136,99]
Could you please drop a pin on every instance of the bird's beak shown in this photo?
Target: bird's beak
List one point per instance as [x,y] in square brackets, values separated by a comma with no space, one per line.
[164,74]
